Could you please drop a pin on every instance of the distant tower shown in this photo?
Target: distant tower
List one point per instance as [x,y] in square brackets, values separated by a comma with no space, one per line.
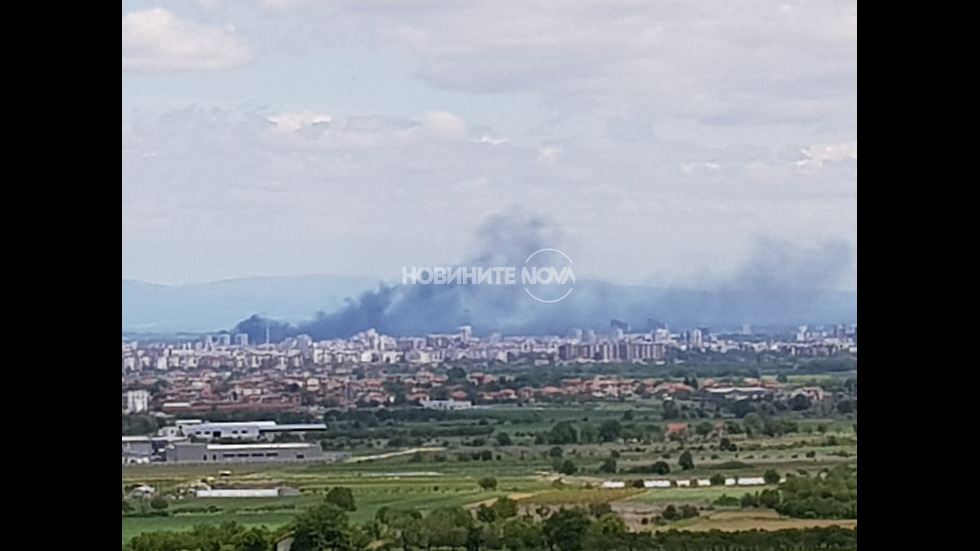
[697,339]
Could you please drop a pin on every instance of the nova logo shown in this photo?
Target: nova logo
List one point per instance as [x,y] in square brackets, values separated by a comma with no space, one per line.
[547,275]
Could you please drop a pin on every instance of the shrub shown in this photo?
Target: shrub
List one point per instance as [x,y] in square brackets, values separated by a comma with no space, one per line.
[487,483]
[159,503]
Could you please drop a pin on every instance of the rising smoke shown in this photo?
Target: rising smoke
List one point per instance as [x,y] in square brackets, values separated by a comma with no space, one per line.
[779,284]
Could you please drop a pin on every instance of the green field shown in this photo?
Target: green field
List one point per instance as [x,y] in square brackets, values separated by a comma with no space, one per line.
[695,494]
[523,470]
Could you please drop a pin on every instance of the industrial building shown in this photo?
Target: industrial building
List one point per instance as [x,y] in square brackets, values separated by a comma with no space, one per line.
[198,452]
[144,449]
[244,430]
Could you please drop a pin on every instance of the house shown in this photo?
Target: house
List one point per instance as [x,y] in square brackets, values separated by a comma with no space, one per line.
[677,428]
[613,484]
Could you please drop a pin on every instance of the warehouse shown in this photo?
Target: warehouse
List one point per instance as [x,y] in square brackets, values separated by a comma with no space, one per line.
[246,430]
[189,452]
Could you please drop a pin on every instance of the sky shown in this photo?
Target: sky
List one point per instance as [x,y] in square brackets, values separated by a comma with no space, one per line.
[667,140]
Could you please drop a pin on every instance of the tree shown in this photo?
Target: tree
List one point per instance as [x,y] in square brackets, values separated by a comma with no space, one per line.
[568,467]
[846,406]
[660,467]
[609,524]
[717,479]
[628,415]
[733,427]
[610,430]
[505,507]
[503,439]
[671,411]
[555,452]
[771,476]
[566,530]
[726,445]
[782,378]
[588,434]
[769,498]
[563,433]
[159,503]
[456,375]
[800,402]
[322,527]
[486,514]
[608,466]
[753,422]
[703,429]
[488,483]
[342,497]
[257,538]
[686,462]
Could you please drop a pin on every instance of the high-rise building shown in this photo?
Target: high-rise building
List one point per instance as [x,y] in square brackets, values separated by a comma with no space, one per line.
[136,401]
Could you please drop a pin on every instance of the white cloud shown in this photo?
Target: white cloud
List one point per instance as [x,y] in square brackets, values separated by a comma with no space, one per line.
[492,141]
[155,40]
[286,123]
[817,155]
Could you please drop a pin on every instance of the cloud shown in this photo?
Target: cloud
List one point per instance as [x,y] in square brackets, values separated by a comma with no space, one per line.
[286,123]
[155,40]
[817,155]
[369,194]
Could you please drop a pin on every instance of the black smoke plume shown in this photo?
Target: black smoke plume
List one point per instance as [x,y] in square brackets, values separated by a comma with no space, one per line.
[779,284]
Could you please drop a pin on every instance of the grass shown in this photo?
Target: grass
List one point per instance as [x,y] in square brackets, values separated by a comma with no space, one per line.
[370,494]
[696,494]
[581,496]
[732,521]
[521,470]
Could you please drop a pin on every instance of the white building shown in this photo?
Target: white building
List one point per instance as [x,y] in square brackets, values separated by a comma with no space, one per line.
[751,481]
[446,404]
[137,401]
[239,492]
[656,484]
[613,484]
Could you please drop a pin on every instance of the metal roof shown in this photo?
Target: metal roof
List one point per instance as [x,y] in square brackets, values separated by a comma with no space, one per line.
[273,446]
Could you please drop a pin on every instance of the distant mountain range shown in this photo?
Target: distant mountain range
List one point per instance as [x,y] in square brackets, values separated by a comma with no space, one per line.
[153,308]
[290,305]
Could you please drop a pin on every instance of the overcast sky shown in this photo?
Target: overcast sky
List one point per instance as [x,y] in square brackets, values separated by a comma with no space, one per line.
[666,139]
